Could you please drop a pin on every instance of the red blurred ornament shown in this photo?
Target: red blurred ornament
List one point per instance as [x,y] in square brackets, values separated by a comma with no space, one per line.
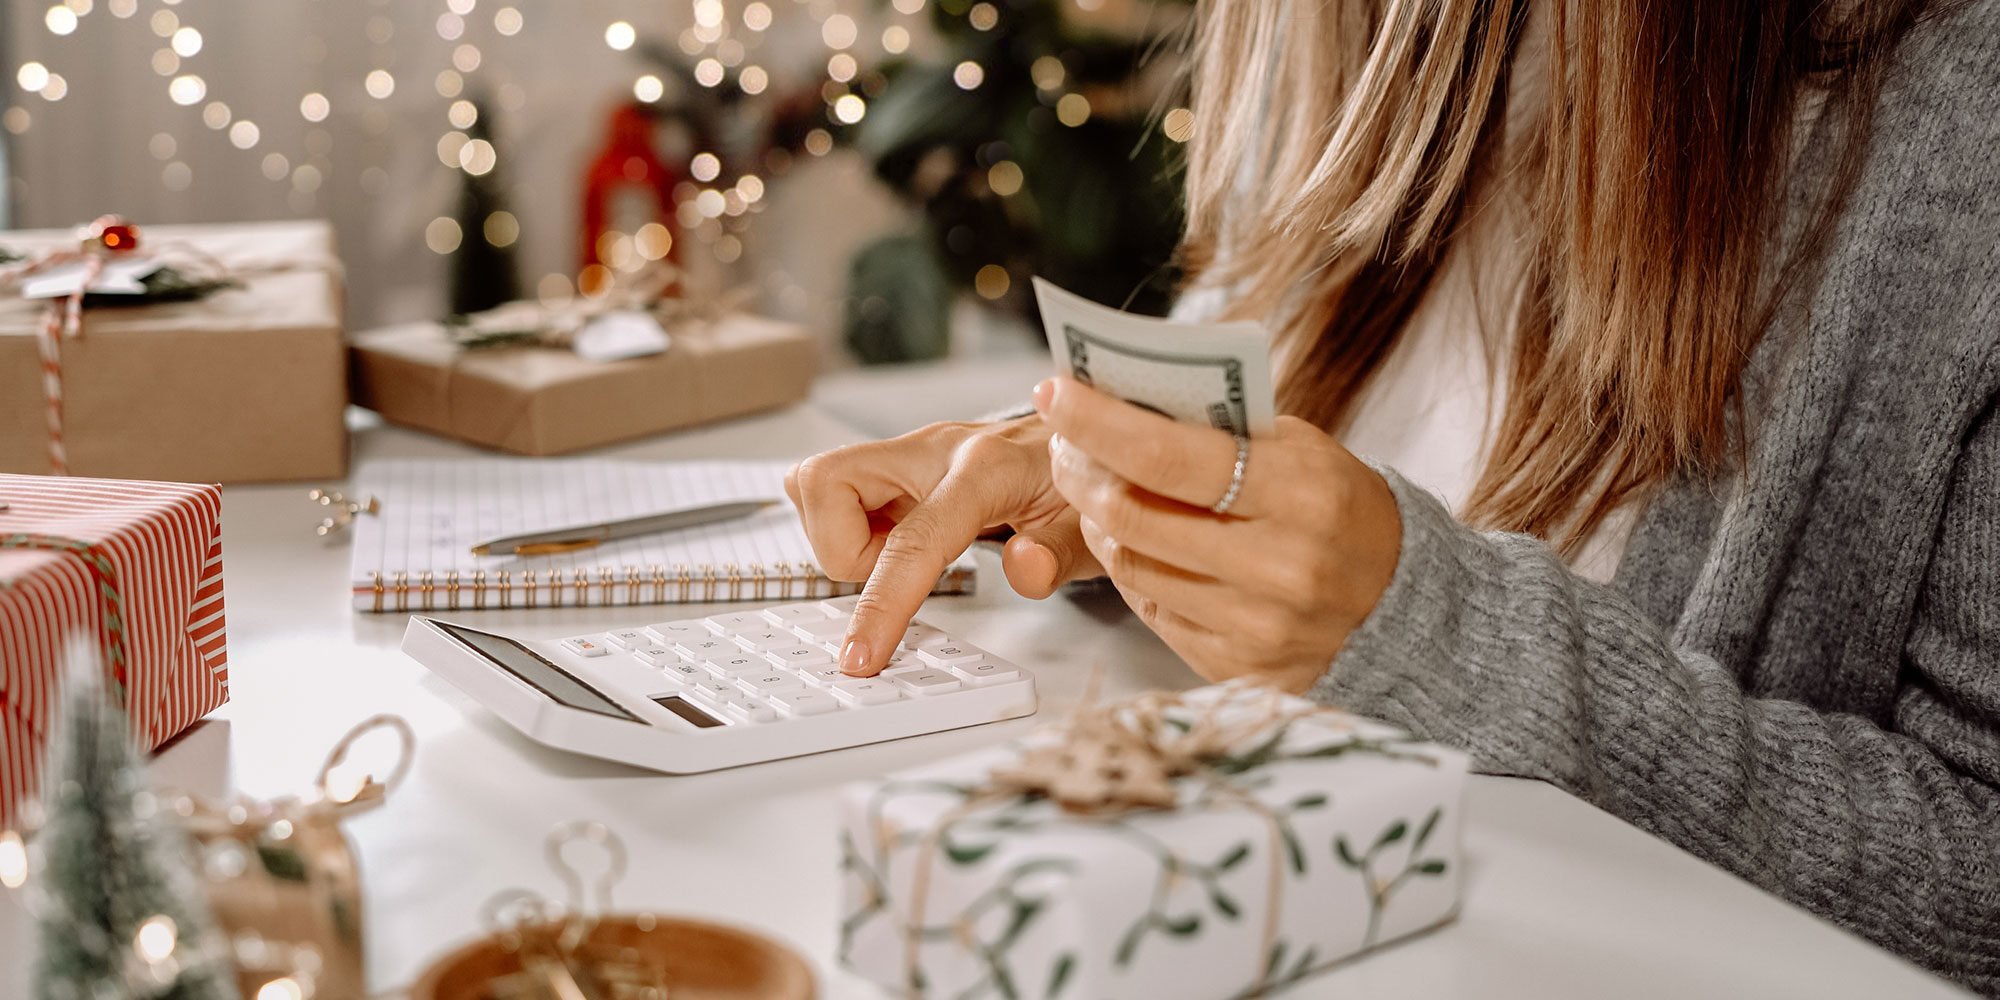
[112,234]
[626,186]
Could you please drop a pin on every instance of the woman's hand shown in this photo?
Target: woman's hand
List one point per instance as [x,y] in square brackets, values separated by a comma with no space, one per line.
[895,513]
[1271,589]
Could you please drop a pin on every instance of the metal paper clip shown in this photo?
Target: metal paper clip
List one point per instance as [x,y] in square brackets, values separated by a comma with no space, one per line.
[552,940]
[583,918]
[350,786]
[344,511]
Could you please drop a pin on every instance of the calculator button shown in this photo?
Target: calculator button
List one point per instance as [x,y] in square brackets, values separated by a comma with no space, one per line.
[825,674]
[866,692]
[840,607]
[658,656]
[764,638]
[728,667]
[794,614]
[945,656]
[824,630]
[905,661]
[920,634]
[797,703]
[798,656]
[582,646]
[722,701]
[926,681]
[629,639]
[673,632]
[770,683]
[747,709]
[985,672]
[682,670]
[709,689]
[702,649]
[735,622]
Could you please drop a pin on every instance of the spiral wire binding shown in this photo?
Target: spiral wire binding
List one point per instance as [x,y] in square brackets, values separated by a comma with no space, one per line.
[651,584]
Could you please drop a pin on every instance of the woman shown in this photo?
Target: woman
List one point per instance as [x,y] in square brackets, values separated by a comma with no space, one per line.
[1689,308]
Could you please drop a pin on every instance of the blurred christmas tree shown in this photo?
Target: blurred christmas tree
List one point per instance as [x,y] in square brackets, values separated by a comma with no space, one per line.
[1037,137]
[1041,144]
[483,274]
[121,911]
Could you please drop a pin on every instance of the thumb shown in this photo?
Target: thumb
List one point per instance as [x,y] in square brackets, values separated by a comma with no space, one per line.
[1041,557]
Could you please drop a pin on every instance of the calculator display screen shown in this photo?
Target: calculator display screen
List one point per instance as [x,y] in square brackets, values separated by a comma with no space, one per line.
[552,681]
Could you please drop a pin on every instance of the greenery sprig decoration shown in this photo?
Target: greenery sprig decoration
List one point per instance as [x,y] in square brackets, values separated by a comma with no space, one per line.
[1415,865]
[971,831]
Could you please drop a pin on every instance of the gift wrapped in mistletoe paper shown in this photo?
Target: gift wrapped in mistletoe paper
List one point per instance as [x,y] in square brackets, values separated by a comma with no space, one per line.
[1221,843]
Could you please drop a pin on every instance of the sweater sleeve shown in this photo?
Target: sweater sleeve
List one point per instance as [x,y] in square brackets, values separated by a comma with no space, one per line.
[1892,829]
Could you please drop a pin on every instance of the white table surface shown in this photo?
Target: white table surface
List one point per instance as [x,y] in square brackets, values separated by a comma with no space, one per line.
[1561,899]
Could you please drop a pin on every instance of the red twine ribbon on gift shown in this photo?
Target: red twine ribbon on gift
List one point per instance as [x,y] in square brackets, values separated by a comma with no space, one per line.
[62,318]
[111,603]
[108,236]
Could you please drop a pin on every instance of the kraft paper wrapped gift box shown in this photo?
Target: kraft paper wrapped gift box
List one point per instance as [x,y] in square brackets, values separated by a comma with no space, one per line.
[550,401]
[135,567]
[247,384]
[1310,837]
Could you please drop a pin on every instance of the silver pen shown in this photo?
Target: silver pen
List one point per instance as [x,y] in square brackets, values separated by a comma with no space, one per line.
[583,536]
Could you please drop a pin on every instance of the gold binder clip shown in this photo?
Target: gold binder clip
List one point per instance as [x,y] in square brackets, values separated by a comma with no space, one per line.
[344,511]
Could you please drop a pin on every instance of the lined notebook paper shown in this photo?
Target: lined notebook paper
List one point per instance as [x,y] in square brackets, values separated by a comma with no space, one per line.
[416,554]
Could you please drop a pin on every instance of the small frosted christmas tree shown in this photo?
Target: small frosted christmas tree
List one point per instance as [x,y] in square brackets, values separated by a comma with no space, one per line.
[121,911]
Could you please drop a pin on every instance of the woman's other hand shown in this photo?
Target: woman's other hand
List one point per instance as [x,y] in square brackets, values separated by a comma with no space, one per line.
[1272,588]
[895,513]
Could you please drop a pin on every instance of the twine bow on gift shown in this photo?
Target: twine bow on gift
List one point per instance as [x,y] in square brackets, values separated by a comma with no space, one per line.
[557,324]
[104,240]
[1114,759]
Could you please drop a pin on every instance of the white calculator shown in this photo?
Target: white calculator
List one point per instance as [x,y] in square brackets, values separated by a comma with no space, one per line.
[699,694]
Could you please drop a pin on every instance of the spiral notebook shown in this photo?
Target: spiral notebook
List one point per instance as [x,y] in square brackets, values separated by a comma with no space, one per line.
[416,554]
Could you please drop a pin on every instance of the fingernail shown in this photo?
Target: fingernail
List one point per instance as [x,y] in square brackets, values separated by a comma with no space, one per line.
[1044,395]
[854,657]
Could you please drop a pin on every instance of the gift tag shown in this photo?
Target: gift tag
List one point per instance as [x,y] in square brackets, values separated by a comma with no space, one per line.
[616,336]
[119,277]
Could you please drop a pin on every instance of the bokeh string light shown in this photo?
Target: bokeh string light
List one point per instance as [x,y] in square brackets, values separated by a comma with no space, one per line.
[722,39]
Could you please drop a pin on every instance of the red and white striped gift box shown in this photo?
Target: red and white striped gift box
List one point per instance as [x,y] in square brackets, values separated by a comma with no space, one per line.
[135,566]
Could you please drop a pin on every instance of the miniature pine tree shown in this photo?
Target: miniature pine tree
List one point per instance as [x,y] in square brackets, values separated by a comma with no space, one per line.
[122,913]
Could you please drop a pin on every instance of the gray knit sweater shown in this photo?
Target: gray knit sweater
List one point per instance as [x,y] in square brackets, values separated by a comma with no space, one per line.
[1796,672]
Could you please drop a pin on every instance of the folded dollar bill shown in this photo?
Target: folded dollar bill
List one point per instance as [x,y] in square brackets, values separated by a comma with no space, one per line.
[1217,374]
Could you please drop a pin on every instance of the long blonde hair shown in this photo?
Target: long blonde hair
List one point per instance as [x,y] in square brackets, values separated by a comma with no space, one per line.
[1328,168]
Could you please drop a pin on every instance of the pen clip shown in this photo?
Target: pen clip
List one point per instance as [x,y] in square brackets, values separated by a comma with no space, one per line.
[541,548]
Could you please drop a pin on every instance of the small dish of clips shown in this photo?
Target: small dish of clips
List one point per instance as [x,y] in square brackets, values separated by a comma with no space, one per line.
[538,949]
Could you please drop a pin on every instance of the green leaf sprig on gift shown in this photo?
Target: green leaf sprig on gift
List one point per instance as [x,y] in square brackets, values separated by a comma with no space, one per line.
[1109,768]
[166,284]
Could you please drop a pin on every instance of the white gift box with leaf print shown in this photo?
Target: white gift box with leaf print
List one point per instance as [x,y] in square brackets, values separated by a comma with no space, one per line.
[1296,850]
